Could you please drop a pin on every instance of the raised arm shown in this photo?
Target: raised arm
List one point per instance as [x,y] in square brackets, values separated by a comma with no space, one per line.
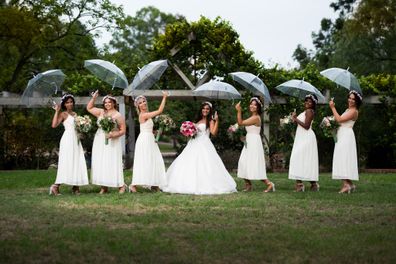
[309,115]
[91,105]
[58,116]
[349,115]
[159,111]
[214,124]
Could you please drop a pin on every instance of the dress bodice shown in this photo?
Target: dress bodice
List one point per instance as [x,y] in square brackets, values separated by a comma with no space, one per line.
[147,127]
[68,123]
[302,117]
[253,129]
[349,123]
[201,130]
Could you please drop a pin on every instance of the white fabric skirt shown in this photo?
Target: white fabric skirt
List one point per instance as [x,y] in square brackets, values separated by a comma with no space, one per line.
[304,161]
[251,164]
[107,168]
[345,163]
[148,164]
[72,169]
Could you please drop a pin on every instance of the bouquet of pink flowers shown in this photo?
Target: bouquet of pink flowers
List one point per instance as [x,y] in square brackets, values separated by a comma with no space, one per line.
[236,132]
[83,124]
[107,124]
[165,124]
[329,126]
[188,129]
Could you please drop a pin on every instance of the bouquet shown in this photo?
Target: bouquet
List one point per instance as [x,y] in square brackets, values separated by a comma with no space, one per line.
[329,126]
[165,124]
[107,124]
[286,121]
[83,124]
[237,132]
[188,129]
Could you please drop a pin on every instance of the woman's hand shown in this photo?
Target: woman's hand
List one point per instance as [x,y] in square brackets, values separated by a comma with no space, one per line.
[238,106]
[95,94]
[331,103]
[215,116]
[56,107]
[165,94]
[294,117]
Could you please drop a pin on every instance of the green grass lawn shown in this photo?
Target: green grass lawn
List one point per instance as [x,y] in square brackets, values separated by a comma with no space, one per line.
[281,227]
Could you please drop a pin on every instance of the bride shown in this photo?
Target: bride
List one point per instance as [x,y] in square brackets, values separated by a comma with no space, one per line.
[199,169]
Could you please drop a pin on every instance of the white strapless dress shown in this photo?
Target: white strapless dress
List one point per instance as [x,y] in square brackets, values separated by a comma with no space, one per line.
[148,164]
[304,160]
[199,169]
[345,162]
[107,169]
[251,164]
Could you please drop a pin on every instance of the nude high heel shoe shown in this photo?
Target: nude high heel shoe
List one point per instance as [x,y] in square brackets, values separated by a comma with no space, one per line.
[270,188]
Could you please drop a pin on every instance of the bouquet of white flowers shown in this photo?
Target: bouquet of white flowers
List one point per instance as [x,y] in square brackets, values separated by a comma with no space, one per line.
[83,125]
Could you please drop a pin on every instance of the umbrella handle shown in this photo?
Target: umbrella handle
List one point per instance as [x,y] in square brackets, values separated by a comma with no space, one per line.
[115,79]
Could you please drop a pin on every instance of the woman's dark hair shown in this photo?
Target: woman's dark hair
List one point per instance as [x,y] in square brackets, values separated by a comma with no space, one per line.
[64,100]
[313,98]
[259,113]
[358,98]
[258,105]
[209,117]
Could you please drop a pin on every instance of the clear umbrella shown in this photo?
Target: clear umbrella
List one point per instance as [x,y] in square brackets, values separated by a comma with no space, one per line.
[342,77]
[217,90]
[299,89]
[147,76]
[253,83]
[108,72]
[43,85]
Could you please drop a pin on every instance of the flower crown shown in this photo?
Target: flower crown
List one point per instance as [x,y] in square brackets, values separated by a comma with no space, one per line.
[135,102]
[357,94]
[66,95]
[109,97]
[312,97]
[257,100]
[208,103]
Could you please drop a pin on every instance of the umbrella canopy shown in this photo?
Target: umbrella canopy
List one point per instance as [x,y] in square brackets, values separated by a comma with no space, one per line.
[217,90]
[253,83]
[43,85]
[108,72]
[147,76]
[299,89]
[342,77]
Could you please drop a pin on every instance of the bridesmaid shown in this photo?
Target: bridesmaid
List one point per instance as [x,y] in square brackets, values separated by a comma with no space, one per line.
[107,169]
[251,165]
[304,161]
[148,165]
[345,163]
[72,169]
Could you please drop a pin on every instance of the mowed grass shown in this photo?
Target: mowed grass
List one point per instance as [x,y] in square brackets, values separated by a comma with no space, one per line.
[254,227]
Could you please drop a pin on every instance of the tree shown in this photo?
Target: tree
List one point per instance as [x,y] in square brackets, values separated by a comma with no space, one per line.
[133,42]
[362,38]
[37,34]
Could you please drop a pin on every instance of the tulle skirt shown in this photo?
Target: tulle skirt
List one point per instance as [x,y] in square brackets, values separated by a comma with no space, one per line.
[199,170]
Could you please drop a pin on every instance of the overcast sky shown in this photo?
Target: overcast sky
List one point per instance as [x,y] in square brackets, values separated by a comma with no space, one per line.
[272,29]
